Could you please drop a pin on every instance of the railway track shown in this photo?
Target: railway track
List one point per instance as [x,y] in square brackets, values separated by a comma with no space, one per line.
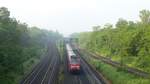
[94,76]
[86,76]
[118,65]
[106,60]
[46,71]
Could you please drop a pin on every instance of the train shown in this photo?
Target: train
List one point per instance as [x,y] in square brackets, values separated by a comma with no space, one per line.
[73,60]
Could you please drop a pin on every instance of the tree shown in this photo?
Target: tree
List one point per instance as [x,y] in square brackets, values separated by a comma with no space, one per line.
[145,16]
[96,28]
[121,23]
[4,13]
[108,25]
[18,44]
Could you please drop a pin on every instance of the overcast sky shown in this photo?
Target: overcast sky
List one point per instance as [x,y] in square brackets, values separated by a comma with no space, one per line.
[68,16]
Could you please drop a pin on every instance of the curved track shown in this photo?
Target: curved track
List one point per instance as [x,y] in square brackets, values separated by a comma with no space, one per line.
[46,71]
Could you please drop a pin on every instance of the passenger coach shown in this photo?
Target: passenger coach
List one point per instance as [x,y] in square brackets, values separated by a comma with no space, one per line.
[73,60]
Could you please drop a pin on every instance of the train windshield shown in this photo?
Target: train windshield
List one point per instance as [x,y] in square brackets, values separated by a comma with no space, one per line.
[74,60]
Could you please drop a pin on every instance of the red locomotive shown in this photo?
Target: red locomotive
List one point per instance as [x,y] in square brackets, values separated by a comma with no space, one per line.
[73,60]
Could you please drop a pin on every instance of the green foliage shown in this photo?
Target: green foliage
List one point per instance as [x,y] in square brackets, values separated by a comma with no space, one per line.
[19,44]
[128,42]
[117,76]
[145,16]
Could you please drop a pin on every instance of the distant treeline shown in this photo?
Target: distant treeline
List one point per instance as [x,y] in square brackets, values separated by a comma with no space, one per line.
[18,44]
[128,42]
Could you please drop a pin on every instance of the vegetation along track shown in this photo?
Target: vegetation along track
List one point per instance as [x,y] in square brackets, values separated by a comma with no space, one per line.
[46,71]
[118,65]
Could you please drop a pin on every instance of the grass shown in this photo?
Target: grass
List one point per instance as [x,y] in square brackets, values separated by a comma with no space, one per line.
[131,61]
[28,65]
[60,47]
[118,76]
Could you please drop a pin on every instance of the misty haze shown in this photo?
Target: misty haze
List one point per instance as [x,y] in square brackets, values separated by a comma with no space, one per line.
[74,42]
